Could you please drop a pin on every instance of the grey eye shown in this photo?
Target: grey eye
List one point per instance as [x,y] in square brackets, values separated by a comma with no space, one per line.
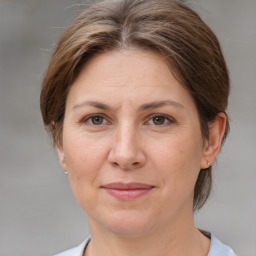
[97,120]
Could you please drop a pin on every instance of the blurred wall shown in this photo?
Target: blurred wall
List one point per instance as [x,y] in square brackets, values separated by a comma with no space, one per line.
[38,213]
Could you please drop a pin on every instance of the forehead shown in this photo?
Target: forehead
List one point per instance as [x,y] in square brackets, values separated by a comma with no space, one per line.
[126,65]
[128,74]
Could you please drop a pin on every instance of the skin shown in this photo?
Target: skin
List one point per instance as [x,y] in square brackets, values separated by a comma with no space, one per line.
[125,143]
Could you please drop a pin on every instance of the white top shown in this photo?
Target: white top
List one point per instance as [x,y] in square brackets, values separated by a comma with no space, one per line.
[216,249]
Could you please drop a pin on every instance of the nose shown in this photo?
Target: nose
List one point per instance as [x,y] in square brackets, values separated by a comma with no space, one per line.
[127,149]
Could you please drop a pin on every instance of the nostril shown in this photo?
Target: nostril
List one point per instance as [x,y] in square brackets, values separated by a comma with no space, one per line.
[133,164]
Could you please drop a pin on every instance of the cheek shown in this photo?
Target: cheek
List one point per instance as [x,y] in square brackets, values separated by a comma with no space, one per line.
[84,153]
[84,159]
[178,162]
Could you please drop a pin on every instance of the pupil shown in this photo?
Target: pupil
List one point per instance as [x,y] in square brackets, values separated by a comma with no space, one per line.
[97,120]
[158,120]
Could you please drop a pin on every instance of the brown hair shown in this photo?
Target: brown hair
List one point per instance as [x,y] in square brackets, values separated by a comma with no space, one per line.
[165,26]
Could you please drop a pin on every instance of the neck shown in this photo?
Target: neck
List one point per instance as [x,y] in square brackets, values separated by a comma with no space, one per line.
[178,240]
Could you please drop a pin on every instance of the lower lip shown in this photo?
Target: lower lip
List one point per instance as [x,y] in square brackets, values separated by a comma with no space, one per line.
[127,194]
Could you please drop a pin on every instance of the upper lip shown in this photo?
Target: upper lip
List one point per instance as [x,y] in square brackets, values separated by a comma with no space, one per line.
[127,186]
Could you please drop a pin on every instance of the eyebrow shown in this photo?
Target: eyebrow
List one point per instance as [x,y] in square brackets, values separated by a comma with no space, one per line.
[150,105]
[158,104]
[95,104]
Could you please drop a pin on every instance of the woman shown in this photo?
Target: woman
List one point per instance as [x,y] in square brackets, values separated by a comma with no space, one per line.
[135,98]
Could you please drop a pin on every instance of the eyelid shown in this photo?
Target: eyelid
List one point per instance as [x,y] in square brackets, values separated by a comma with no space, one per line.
[88,117]
[107,119]
[169,118]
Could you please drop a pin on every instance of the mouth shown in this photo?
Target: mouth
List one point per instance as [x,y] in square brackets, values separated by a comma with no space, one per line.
[127,191]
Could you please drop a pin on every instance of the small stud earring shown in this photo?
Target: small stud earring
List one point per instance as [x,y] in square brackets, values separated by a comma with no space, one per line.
[208,164]
[66,173]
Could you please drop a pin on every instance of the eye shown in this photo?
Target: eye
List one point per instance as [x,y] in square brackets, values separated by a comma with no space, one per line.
[95,120]
[160,120]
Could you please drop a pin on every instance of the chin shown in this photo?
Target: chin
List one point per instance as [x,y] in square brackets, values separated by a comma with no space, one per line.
[127,223]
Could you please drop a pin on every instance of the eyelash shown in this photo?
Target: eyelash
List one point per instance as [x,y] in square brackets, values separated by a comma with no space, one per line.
[89,120]
[167,119]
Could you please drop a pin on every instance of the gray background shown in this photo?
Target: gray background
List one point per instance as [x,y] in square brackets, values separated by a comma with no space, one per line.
[38,214]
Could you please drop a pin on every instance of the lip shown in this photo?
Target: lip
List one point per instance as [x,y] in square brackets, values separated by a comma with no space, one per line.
[127,191]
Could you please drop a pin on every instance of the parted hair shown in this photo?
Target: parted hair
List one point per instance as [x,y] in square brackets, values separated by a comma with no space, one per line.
[168,27]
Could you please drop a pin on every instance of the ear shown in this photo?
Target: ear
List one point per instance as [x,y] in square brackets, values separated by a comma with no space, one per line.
[213,144]
[62,157]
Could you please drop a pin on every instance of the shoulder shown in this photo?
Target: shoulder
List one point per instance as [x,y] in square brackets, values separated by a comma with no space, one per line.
[219,249]
[76,251]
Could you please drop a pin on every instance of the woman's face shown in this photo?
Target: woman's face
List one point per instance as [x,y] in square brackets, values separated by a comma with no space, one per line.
[132,143]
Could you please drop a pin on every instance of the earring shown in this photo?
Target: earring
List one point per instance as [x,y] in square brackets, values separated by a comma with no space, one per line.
[66,173]
[208,164]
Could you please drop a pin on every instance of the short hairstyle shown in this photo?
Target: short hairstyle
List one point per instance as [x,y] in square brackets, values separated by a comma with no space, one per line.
[168,27]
